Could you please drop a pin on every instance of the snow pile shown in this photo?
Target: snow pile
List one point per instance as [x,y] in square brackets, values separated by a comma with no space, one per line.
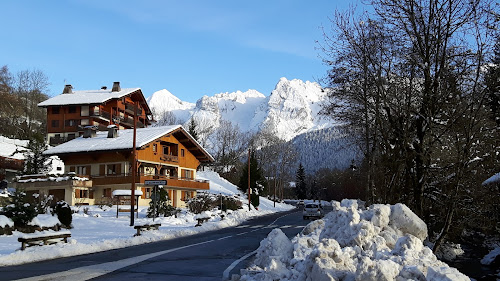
[44,220]
[381,242]
[5,221]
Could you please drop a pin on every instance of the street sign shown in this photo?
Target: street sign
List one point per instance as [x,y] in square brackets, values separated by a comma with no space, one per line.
[155,182]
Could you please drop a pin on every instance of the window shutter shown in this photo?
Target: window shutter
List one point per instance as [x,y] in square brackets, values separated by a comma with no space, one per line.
[77,193]
[91,194]
[118,170]
[102,169]
[143,196]
[72,169]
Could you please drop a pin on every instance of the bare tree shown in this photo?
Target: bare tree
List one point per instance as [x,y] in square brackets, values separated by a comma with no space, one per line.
[408,80]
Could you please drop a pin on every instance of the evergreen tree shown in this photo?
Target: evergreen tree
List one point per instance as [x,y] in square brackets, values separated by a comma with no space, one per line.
[300,183]
[257,179]
[192,129]
[35,161]
[163,206]
[21,210]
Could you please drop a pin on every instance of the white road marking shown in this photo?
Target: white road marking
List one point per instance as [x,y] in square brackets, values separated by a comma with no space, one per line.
[225,274]
[93,271]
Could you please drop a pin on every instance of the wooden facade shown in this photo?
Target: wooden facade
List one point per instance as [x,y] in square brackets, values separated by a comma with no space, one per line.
[173,156]
[67,121]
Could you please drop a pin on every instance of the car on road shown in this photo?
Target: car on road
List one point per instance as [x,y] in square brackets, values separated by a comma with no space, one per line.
[300,204]
[313,210]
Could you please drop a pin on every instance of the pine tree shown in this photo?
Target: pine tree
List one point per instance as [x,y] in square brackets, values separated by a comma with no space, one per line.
[35,161]
[300,182]
[192,129]
[257,179]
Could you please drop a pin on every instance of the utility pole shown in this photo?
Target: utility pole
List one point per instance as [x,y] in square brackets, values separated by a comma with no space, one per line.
[249,193]
[134,168]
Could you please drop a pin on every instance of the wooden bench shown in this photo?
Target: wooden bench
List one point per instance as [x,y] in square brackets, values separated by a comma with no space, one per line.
[146,227]
[47,239]
[201,220]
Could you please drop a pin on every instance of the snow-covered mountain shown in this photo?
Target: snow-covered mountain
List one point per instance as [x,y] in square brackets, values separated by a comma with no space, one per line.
[291,109]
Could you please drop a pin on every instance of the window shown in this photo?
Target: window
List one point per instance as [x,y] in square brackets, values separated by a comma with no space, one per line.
[55,110]
[113,169]
[55,123]
[81,193]
[72,109]
[154,148]
[85,122]
[182,152]
[187,174]
[84,110]
[165,150]
[71,136]
[83,170]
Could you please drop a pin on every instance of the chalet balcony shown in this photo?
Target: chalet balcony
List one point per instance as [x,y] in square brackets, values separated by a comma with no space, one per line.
[169,158]
[129,122]
[101,114]
[171,181]
[11,164]
[129,108]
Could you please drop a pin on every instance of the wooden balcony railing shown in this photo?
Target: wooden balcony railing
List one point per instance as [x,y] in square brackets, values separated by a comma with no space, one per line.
[100,114]
[13,164]
[171,181]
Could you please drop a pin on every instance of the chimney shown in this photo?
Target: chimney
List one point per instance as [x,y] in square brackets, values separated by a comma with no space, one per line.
[67,89]
[116,87]
[104,88]
[112,131]
[89,131]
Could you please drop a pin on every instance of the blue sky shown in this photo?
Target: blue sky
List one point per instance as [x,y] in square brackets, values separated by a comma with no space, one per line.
[191,48]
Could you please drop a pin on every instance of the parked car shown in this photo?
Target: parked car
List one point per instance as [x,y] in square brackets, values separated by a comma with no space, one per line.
[313,210]
[300,204]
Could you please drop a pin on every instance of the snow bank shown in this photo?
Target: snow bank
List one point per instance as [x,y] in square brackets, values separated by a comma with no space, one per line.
[5,221]
[381,242]
[491,256]
[44,220]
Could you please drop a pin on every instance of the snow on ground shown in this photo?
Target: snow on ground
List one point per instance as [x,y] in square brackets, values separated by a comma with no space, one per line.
[381,242]
[491,256]
[97,228]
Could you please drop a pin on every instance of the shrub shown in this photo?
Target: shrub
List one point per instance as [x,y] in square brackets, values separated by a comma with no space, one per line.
[64,213]
[163,208]
[230,203]
[20,210]
[202,202]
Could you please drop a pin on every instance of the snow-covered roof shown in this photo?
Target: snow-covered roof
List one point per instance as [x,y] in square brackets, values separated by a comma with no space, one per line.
[123,141]
[87,97]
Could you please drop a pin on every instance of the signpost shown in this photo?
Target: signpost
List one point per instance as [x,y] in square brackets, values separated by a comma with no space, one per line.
[155,196]
[155,182]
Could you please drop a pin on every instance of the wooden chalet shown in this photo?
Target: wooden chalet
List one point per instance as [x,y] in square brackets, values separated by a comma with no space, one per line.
[103,162]
[70,112]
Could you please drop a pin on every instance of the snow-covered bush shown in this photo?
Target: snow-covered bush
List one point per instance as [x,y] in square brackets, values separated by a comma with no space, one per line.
[202,202]
[6,225]
[64,213]
[161,206]
[381,242]
[21,209]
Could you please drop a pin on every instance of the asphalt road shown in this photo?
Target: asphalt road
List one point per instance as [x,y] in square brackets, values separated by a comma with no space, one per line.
[214,255]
